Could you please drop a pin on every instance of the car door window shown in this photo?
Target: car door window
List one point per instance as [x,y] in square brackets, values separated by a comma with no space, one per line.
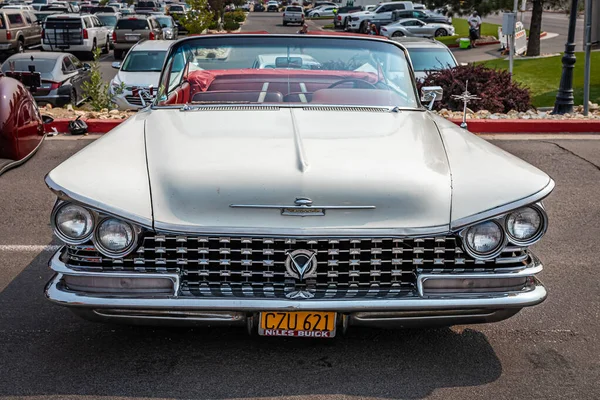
[396,7]
[68,66]
[15,19]
[28,18]
[382,10]
[76,63]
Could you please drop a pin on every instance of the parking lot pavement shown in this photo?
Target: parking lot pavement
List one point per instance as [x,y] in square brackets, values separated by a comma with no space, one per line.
[549,351]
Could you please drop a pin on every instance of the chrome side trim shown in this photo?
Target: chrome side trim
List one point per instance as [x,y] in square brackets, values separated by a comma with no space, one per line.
[535,268]
[67,195]
[544,192]
[62,269]
[313,232]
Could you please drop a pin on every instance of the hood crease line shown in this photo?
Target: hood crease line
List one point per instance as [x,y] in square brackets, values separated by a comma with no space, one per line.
[302,161]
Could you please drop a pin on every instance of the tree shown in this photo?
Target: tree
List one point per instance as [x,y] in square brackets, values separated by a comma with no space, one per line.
[198,17]
[535,28]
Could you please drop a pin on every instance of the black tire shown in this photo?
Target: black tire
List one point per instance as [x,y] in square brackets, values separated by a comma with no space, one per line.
[118,54]
[20,46]
[345,25]
[73,97]
[441,32]
[106,48]
[316,15]
[284,23]
[398,34]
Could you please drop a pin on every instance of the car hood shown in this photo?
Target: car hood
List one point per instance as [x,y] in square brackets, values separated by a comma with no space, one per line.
[181,171]
[142,79]
[210,160]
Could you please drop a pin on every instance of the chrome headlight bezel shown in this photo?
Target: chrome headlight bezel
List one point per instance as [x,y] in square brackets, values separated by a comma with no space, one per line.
[541,229]
[111,253]
[68,240]
[491,254]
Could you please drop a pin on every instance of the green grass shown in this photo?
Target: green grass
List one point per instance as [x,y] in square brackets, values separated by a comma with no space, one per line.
[329,26]
[542,76]
[461,27]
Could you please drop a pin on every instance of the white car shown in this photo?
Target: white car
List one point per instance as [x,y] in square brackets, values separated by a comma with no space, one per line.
[417,28]
[326,11]
[382,15]
[139,74]
[75,33]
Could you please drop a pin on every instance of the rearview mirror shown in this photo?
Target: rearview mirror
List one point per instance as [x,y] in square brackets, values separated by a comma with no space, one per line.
[288,62]
[431,94]
[116,65]
[86,67]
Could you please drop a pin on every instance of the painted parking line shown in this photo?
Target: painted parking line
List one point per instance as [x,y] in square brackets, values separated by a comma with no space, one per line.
[23,248]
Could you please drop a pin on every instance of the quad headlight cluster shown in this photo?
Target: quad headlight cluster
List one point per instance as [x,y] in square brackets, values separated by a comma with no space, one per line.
[521,227]
[75,224]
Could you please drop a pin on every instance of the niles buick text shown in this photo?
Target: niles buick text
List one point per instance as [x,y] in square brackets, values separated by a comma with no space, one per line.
[297,186]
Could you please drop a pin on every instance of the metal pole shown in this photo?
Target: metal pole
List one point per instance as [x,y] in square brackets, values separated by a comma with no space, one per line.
[588,54]
[564,97]
[511,56]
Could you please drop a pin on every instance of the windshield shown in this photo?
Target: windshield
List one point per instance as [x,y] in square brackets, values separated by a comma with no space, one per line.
[144,61]
[165,21]
[431,59]
[108,20]
[302,69]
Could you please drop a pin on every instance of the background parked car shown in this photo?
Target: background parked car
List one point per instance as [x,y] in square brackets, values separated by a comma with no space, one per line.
[414,27]
[176,9]
[18,29]
[147,5]
[427,55]
[139,73]
[326,11]
[341,16]
[169,27]
[425,16]
[132,29]
[258,7]
[293,15]
[272,6]
[110,21]
[75,33]
[62,76]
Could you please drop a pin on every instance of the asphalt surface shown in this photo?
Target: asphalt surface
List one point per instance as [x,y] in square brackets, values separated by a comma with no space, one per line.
[549,351]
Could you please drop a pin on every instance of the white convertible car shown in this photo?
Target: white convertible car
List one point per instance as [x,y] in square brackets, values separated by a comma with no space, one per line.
[295,202]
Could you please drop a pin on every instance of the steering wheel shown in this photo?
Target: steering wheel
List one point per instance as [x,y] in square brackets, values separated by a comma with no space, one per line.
[358,83]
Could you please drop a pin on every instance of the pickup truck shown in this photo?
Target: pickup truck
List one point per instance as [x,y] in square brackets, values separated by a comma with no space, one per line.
[382,15]
[341,17]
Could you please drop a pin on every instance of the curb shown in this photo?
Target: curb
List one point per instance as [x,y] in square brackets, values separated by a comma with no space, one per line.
[475,125]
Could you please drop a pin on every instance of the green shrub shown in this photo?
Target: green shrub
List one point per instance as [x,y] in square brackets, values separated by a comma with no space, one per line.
[96,90]
[231,25]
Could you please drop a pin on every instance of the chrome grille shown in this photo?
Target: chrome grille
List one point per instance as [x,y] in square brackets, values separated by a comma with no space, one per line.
[136,101]
[251,266]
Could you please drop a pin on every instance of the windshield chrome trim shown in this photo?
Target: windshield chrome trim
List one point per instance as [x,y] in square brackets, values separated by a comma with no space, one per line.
[496,211]
[193,107]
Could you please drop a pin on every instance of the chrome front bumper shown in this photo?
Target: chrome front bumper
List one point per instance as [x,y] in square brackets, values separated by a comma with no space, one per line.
[410,311]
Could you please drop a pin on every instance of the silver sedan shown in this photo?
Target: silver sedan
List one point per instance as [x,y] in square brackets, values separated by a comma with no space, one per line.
[415,27]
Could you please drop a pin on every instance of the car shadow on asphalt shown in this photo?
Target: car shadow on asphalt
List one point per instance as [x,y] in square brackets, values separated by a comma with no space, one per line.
[46,350]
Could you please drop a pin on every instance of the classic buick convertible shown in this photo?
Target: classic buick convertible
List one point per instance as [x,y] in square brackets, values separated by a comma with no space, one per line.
[295,201]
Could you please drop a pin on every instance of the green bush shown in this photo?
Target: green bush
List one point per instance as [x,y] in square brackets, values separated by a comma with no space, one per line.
[231,25]
[239,16]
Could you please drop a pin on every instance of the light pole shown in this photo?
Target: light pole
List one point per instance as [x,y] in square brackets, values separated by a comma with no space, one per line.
[564,97]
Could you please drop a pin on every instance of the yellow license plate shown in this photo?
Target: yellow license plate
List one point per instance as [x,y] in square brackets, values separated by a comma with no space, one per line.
[298,323]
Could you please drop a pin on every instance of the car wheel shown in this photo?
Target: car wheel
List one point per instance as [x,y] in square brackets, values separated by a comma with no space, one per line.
[284,23]
[73,97]
[106,48]
[20,46]
[345,24]
[441,32]
[118,54]
[316,15]
[398,34]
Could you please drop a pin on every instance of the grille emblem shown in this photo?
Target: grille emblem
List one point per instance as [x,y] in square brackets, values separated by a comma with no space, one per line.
[301,264]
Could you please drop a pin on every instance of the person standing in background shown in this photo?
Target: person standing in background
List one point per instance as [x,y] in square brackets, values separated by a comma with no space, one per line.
[474,28]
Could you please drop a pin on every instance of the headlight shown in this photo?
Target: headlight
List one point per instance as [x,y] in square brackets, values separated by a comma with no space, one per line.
[73,224]
[525,225]
[114,238]
[484,240]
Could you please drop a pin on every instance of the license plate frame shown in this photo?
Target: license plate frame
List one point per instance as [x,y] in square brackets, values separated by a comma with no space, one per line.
[322,324]
[132,38]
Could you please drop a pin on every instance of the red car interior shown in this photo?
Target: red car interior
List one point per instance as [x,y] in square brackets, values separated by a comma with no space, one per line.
[276,86]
